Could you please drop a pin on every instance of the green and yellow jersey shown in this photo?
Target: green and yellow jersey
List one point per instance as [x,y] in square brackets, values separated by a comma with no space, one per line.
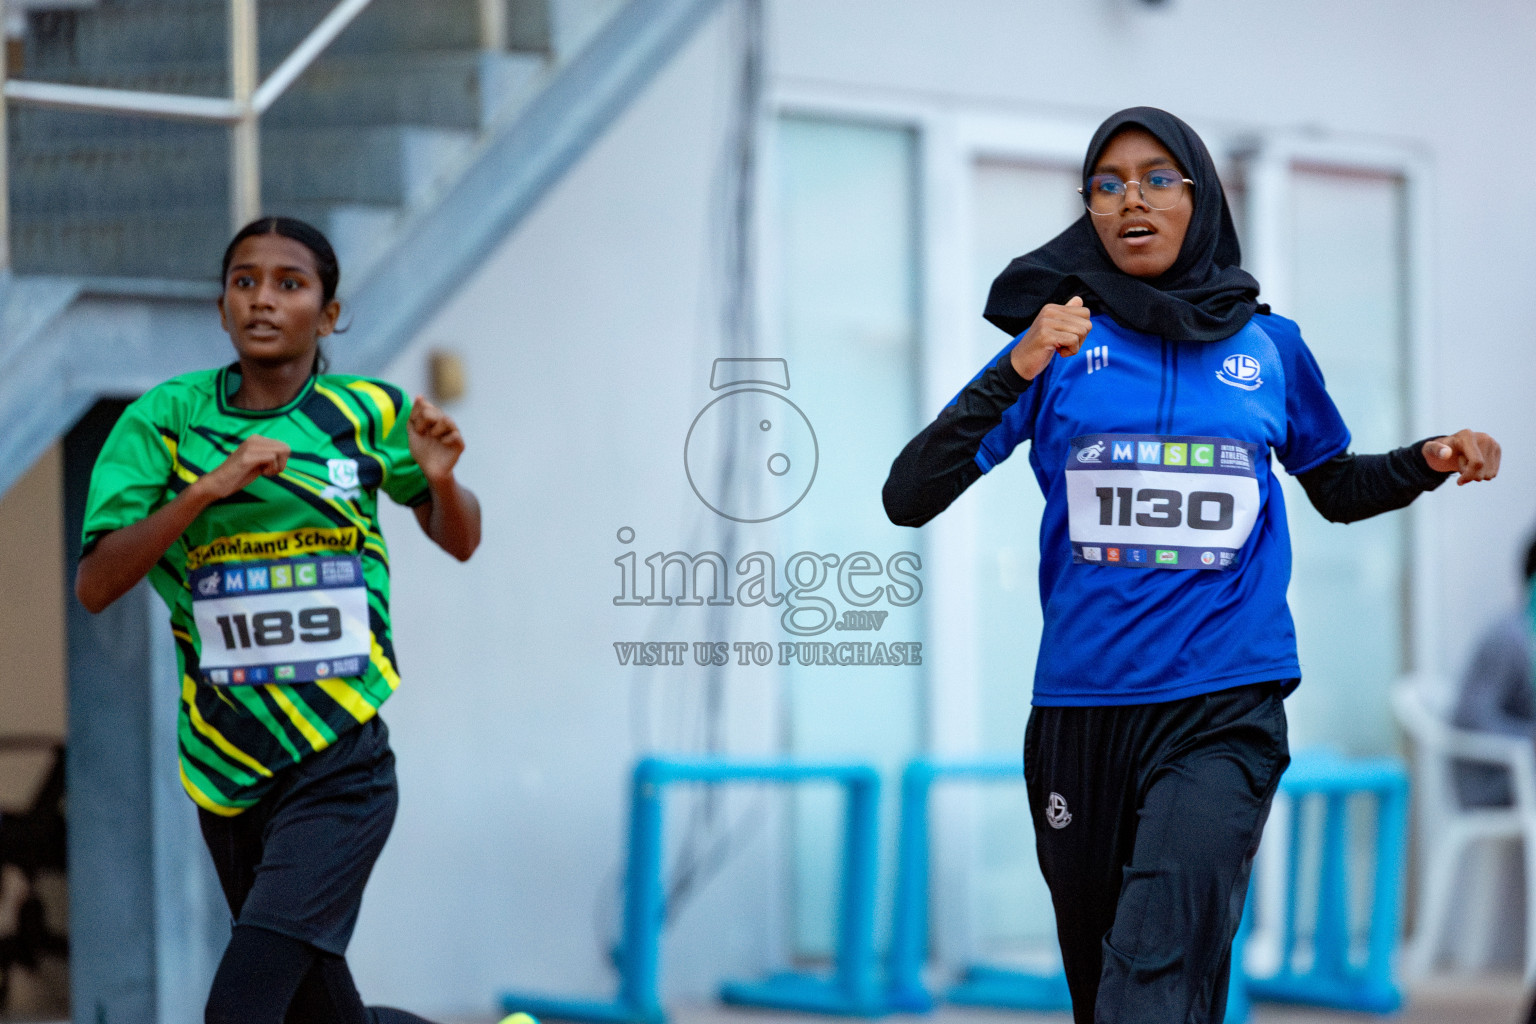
[279,593]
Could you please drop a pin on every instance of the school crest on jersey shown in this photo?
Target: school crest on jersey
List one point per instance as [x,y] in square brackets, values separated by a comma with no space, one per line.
[344,482]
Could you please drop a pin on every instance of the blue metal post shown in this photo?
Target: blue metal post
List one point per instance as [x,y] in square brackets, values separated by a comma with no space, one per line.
[909,914]
[1391,849]
[1332,979]
[1292,883]
[852,990]
[981,985]
[644,902]
[1330,940]
[856,938]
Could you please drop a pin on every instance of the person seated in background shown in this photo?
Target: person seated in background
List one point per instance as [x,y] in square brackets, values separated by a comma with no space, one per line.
[1498,694]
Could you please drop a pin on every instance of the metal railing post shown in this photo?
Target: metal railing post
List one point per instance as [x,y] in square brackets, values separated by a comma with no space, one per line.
[245,137]
[493,25]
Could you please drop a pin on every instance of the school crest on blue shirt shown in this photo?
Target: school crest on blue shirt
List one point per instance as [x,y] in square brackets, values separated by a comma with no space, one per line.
[1240,371]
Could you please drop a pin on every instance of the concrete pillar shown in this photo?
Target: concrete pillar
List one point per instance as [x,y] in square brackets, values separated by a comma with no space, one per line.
[146,923]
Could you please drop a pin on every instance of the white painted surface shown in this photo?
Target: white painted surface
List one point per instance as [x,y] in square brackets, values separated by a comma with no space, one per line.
[588,341]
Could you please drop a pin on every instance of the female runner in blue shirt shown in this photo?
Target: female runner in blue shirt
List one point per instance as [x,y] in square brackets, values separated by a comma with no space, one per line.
[1153,388]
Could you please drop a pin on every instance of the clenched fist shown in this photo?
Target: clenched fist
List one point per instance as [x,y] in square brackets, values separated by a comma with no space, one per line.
[1057,329]
[256,456]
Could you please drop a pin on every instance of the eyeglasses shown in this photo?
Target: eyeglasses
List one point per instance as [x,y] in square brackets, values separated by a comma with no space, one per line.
[1160,190]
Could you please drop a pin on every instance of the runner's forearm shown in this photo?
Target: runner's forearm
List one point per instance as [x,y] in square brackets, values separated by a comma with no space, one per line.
[1350,487]
[938,464]
[452,518]
[123,557]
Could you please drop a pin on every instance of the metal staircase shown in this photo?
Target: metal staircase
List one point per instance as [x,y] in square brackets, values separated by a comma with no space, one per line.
[417,140]
[366,132]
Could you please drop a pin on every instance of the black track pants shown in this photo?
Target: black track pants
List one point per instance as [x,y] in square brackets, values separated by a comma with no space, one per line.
[1147,819]
[293,869]
[267,978]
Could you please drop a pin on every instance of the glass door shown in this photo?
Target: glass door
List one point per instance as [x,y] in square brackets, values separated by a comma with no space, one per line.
[1349,584]
[1016,207]
[847,270]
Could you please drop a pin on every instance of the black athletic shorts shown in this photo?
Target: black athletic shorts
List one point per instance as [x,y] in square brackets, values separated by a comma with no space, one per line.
[296,863]
[1147,818]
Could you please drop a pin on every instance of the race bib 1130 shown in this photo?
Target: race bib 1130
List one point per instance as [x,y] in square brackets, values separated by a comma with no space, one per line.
[289,621]
[1145,501]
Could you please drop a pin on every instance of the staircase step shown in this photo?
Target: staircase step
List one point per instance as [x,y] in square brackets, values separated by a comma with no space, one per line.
[107,36]
[446,88]
[360,234]
[32,125]
[393,165]
[62,42]
[183,243]
[176,243]
[442,89]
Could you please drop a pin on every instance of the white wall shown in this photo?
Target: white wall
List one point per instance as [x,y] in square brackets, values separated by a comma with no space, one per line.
[588,338]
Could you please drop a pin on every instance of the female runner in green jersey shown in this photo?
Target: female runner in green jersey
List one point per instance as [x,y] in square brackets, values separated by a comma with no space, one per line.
[248,495]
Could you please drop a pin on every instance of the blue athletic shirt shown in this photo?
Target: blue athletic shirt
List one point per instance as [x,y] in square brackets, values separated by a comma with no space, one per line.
[1153,456]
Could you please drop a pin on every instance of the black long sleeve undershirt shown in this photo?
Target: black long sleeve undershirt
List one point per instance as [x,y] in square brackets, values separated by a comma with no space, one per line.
[939,463]
[1350,487]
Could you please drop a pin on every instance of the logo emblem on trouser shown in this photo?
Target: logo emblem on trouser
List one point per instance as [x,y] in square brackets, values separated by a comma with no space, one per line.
[1056,813]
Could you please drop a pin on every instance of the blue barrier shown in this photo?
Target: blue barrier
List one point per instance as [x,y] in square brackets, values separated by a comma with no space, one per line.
[852,990]
[904,988]
[1330,978]
[979,985]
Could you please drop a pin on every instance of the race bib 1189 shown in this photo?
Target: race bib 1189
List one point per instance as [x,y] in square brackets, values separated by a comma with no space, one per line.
[1144,501]
[289,621]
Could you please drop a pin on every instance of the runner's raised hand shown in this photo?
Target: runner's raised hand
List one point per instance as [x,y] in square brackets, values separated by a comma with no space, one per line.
[1472,454]
[435,441]
[256,456]
[1056,329]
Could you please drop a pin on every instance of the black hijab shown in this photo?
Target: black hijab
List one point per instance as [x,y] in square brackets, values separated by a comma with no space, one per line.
[1204,296]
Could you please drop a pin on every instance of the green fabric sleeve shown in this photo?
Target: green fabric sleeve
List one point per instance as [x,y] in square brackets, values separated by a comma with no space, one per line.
[132,475]
[403,478]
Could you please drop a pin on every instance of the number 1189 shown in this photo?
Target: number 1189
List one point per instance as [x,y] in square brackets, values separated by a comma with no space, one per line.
[273,629]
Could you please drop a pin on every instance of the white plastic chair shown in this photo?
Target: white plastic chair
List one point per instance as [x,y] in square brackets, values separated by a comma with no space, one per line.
[1446,830]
